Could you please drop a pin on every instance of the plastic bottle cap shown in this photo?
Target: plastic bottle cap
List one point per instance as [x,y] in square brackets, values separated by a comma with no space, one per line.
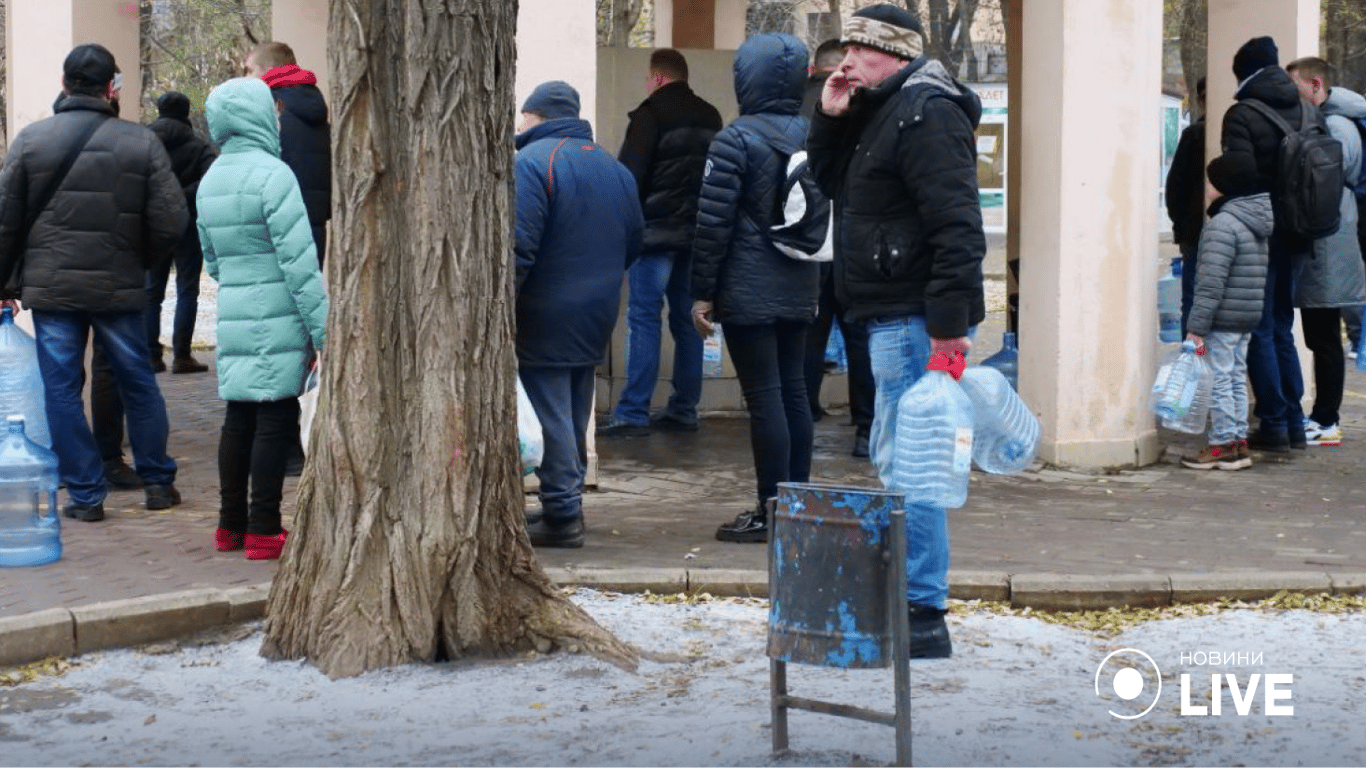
[953,364]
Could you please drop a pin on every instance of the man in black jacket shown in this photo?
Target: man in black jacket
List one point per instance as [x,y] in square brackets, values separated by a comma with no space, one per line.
[1185,197]
[190,156]
[1273,362]
[665,150]
[79,253]
[893,145]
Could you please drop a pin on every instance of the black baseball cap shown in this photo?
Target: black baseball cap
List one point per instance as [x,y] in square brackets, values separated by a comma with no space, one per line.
[89,64]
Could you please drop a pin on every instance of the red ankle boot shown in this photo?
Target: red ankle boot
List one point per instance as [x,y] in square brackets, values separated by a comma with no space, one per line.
[227,541]
[266,547]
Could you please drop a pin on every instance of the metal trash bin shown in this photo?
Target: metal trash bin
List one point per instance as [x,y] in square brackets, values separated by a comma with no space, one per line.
[837,597]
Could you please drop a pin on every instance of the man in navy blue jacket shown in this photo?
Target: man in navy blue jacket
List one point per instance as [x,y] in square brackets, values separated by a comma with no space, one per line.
[579,225]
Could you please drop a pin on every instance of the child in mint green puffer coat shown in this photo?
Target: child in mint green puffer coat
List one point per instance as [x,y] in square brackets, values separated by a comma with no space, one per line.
[272,310]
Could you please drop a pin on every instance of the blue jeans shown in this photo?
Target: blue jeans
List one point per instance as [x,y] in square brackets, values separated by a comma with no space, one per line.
[61,340]
[654,278]
[563,401]
[189,261]
[1273,364]
[899,348]
[769,359]
[1227,357]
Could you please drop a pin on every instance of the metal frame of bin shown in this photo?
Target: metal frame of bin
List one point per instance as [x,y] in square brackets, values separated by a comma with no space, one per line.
[892,554]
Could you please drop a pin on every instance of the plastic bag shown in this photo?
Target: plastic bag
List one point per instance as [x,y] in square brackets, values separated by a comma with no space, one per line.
[308,405]
[530,439]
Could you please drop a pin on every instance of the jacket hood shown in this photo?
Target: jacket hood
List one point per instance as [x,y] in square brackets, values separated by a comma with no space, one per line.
[241,116]
[934,74]
[172,131]
[559,128]
[1252,210]
[770,74]
[304,102]
[1271,85]
[1348,104]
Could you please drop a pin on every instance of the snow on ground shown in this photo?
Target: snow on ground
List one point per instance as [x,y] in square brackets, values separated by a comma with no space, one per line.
[1018,691]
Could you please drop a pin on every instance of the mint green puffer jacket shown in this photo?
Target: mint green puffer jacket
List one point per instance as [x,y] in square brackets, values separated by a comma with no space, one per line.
[258,246]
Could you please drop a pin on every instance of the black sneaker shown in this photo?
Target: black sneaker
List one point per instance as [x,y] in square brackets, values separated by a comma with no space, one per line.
[665,422]
[561,535]
[860,444]
[162,496]
[92,513]
[1297,438]
[120,476]
[748,527]
[1271,442]
[929,637]
[614,428]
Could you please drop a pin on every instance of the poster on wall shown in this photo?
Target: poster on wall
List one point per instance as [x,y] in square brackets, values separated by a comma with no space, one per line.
[991,155]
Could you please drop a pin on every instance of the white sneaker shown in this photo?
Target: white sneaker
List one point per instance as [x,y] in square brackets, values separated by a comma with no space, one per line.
[1351,354]
[1316,434]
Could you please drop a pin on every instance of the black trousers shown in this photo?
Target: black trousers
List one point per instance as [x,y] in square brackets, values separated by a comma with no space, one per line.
[106,405]
[862,390]
[1323,336]
[252,450]
[768,360]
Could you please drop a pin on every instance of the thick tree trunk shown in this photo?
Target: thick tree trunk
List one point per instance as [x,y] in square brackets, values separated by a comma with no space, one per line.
[1194,42]
[409,543]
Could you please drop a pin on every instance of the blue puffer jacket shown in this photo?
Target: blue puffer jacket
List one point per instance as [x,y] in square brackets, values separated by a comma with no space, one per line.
[258,246]
[578,227]
[735,266]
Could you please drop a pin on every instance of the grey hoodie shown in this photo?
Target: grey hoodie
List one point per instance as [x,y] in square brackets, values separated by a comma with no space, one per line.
[1334,276]
[1230,276]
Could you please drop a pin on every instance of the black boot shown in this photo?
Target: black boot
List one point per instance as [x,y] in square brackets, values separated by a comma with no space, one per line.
[749,527]
[561,534]
[929,637]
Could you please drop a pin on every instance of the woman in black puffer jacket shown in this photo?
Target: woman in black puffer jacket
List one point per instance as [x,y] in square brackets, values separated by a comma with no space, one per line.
[764,299]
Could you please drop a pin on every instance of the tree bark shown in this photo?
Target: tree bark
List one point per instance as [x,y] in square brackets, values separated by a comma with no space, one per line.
[1194,45]
[625,14]
[409,542]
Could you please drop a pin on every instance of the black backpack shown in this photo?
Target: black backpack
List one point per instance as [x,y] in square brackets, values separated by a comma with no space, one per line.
[1309,178]
[802,227]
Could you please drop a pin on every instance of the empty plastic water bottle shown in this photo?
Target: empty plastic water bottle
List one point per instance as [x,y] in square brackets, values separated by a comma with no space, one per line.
[30,533]
[1005,433]
[21,383]
[1169,305]
[932,456]
[1182,391]
[1007,360]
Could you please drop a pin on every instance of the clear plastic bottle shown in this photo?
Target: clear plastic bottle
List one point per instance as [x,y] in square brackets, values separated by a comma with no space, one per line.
[1006,433]
[1007,360]
[21,383]
[30,532]
[1182,391]
[932,455]
[1169,305]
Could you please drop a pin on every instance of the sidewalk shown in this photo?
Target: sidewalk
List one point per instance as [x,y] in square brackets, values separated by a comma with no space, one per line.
[1286,520]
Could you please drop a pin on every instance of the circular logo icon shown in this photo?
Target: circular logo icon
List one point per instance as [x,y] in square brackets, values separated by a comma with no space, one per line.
[1129,681]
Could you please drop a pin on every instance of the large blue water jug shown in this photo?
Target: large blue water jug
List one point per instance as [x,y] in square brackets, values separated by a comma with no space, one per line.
[1005,433]
[30,533]
[1007,360]
[21,383]
[1183,390]
[1169,305]
[932,453]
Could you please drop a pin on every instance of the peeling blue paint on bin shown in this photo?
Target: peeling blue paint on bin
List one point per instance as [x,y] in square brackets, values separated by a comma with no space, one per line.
[828,576]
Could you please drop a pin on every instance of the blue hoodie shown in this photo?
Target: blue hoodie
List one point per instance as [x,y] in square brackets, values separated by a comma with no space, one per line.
[578,227]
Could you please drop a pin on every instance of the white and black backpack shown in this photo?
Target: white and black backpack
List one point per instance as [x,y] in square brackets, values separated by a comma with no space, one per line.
[802,224]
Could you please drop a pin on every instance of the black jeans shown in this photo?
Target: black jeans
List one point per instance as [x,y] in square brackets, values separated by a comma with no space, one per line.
[862,390]
[106,405]
[252,450]
[189,262]
[1323,336]
[769,361]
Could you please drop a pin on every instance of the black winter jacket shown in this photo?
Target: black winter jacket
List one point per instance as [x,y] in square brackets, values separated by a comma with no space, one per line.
[1245,130]
[119,211]
[1186,186]
[306,146]
[734,264]
[901,167]
[665,148]
[190,155]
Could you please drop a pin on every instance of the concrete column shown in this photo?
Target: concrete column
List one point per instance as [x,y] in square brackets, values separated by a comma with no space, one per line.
[729,24]
[1014,117]
[567,27]
[1088,207]
[40,33]
[302,25]
[664,23]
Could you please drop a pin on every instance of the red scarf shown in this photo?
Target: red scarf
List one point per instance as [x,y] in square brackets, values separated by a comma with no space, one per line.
[287,75]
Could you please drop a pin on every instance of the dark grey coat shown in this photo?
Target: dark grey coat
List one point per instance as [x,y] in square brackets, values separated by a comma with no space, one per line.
[1230,279]
[1333,276]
